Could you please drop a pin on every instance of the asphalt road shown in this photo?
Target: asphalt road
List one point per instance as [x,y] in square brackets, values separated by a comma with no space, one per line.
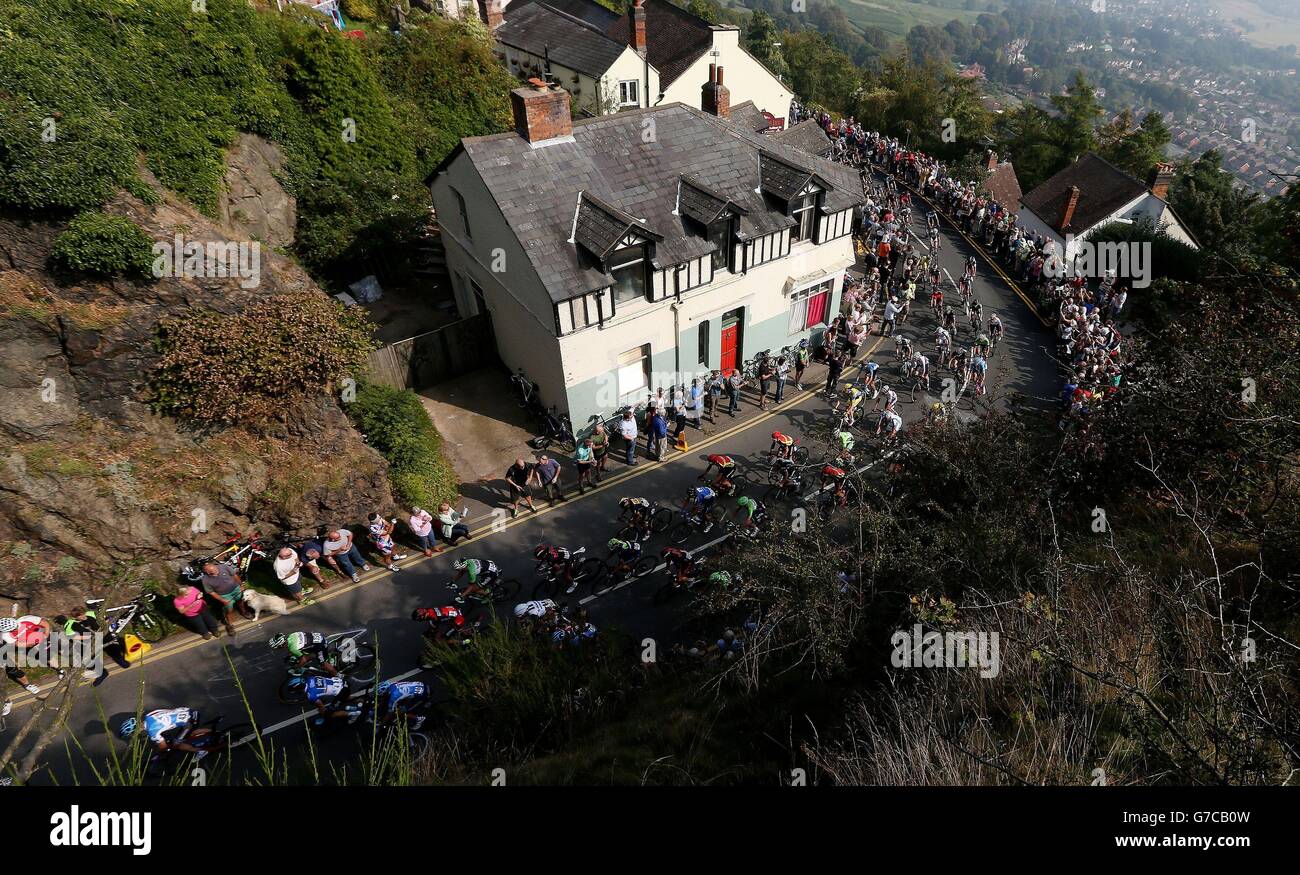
[203,674]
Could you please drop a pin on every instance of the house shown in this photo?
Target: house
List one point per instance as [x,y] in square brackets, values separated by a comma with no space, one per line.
[671,52]
[807,136]
[1000,181]
[625,252]
[1091,193]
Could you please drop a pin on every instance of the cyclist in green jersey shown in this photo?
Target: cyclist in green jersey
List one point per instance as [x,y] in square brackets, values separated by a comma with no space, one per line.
[749,511]
[482,574]
[305,648]
[721,578]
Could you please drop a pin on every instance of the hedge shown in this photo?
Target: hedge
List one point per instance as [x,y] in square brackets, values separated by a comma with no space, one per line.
[396,424]
[104,245]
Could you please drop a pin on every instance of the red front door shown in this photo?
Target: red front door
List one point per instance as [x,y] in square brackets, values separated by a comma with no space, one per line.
[729,333]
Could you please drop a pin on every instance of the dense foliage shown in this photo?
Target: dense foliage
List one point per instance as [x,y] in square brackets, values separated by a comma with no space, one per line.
[396,424]
[254,365]
[105,245]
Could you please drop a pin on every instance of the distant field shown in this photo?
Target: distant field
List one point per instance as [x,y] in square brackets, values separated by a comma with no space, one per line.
[1270,30]
[897,17]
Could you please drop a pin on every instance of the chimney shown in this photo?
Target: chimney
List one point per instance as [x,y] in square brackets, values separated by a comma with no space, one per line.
[541,111]
[1161,176]
[715,99]
[991,161]
[1071,202]
[636,27]
[493,13]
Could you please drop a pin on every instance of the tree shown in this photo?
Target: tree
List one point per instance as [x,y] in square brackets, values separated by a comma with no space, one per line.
[708,10]
[761,42]
[1078,111]
[1027,136]
[1140,149]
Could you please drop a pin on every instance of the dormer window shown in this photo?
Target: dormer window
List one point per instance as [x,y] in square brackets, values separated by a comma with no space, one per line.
[804,212]
[628,267]
[719,234]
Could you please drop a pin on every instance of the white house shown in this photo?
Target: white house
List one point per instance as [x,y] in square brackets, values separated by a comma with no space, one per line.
[625,252]
[1092,193]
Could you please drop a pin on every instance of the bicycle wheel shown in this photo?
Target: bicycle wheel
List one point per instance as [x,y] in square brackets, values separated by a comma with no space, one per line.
[667,592]
[800,455]
[293,690]
[148,628]
[681,532]
[418,745]
[546,588]
[644,566]
[235,733]
[775,475]
[629,533]
[660,520]
[591,571]
[362,666]
[505,590]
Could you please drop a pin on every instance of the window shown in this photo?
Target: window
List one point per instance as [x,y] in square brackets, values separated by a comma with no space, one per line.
[627,266]
[809,307]
[803,210]
[720,236]
[628,93]
[464,213]
[634,371]
[704,343]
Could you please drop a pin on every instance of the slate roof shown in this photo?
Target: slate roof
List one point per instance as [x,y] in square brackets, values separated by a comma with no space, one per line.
[611,165]
[701,203]
[585,10]
[1103,189]
[808,136]
[675,39]
[540,28]
[1004,185]
[600,226]
[750,116]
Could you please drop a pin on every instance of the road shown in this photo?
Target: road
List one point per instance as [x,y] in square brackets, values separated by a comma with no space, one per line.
[217,676]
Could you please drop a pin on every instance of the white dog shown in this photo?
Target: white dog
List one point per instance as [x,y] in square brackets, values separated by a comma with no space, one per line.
[260,601]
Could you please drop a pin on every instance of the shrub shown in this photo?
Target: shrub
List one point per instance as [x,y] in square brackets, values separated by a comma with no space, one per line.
[102,244]
[358,10]
[244,368]
[396,424]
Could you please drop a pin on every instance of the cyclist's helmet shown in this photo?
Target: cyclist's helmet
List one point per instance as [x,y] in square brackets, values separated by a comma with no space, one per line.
[671,552]
[8,624]
[278,640]
[520,610]
[127,729]
[460,564]
[625,502]
[421,614]
[542,551]
[803,344]
[384,687]
[615,544]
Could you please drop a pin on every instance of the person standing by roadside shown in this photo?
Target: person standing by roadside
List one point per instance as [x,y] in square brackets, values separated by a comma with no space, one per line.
[695,405]
[679,411]
[834,366]
[342,554]
[583,458]
[627,429]
[421,525]
[546,474]
[193,611]
[891,313]
[800,363]
[288,570]
[766,371]
[782,373]
[658,436]
[734,382]
[600,449]
[450,523]
[517,477]
[221,581]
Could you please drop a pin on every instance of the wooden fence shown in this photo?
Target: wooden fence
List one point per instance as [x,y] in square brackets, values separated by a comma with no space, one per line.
[429,358]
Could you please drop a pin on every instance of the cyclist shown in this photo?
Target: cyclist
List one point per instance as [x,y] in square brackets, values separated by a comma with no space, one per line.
[868,377]
[942,341]
[698,504]
[402,698]
[852,397]
[445,622]
[558,564]
[721,578]
[726,468]
[978,366]
[902,347]
[921,369]
[936,298]
[888,398]
[637,513]
[627,552]
[482,574]
[950,321]
[544,610]
[751,513]
[976,314]
[305,648]
[982,344]
[330,696]
[995,327]
[167,729]
[782,446]
[970,267]
[682,564]
[895,423]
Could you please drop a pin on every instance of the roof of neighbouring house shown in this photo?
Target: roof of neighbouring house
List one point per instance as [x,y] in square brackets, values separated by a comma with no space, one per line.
[807,136]
[569,201]
[544,30]
[1002,183]
[1103,189]
[750,116]
[585,10]
[675,38]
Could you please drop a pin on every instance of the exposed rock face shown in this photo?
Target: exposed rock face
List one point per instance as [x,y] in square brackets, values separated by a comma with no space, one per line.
[90,478]
[254,204]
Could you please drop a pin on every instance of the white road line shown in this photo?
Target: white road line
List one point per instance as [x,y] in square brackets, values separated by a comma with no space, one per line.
[276,727]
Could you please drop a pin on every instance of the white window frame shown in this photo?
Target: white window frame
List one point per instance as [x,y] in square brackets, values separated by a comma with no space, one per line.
[633,371]
[799,305]
[629,86]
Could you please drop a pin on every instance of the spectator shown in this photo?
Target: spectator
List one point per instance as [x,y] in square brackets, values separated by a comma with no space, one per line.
[222,582]
[342,554]
[782,372]
[381,536]
[26,633]
[658,436]
[627,428]
[194,613]
[517,477]
[600,449]
[734,382]
[584,456]
[679,411]
[834,366]
[891,313]
[421,523]
[546,474]
[453,529]
[766,371]
[311,552]
[800,363]
[288,570]
[695,405]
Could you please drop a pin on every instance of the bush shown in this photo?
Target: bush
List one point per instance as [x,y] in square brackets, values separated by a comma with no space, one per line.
[396,424]
[245,368]
[358,10]
[105,245]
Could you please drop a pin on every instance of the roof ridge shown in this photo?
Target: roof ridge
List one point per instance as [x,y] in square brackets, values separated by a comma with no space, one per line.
[575,19]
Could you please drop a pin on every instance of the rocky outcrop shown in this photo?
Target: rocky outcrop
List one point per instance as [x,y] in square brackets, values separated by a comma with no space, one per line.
[254,204]
[90,477]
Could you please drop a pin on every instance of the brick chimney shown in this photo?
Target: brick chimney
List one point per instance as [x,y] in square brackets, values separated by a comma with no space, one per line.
[715,99]
[990,161]
[493,13]
[636,27]
[541,111]
[1159,180]
[1071,202]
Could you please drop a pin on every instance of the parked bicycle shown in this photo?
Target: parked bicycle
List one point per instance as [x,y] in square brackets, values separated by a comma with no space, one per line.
[138,616]
[238,551]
